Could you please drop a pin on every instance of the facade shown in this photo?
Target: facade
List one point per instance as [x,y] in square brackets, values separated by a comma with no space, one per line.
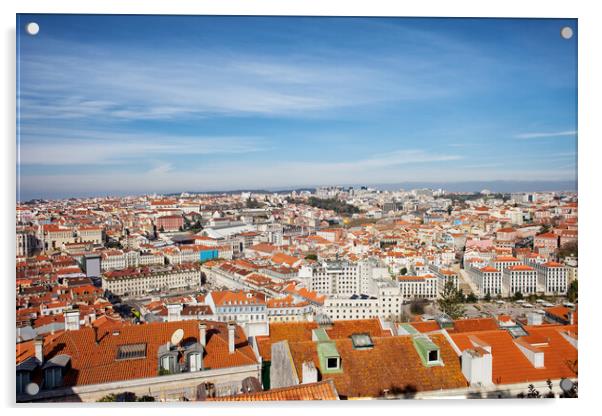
[143,280]
[170,223]
[288,310]
[552,278]
[248,309]
[520,278]
[487,279]
[418,287]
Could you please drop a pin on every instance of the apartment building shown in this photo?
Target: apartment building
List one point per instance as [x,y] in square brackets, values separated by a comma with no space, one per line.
[248,309]
[520,278]
[418,287]
[552,277]
[287,309]
[488,279]
[138,281]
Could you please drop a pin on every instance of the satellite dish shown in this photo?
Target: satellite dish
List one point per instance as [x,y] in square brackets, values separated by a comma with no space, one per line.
[177,336]
[32,389]
[566,384]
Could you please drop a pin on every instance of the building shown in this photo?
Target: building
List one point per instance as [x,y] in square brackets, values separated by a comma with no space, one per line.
[144,280]
[487,279]
[287,309]
[248,309]
[552,278]
[519,279]
[91,362]
[418,287]
[169,223]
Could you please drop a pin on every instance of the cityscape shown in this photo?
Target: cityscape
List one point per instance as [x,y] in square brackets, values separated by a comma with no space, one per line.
[237,212]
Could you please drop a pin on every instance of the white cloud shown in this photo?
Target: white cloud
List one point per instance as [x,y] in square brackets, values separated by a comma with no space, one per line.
[537,135]
[163,85]
[47,146]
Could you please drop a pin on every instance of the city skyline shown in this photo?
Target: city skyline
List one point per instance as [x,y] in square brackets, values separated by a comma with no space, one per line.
[108,105]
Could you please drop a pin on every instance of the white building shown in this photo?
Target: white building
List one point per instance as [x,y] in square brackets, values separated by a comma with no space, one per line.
[552,278]
[519,278]
[141,281]
[247,309]
[487,279]
[418,287]
[386,303]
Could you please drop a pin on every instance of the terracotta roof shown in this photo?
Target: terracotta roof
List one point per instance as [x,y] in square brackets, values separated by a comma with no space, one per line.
[393,362]
[302,331]
[323,390]
[511,366]
[472,325]
[92,364]
[426,326]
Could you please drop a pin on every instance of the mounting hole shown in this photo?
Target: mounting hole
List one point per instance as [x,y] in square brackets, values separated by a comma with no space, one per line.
[32,28]
[566,32]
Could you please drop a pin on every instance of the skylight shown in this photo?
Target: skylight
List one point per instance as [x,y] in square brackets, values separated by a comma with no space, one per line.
[361,341]
[131,351]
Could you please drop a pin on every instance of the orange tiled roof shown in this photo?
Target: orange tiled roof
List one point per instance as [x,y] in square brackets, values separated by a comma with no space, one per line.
[93,364]
[323,390]
[473,325]
[393,362]
[302,331]
[511,366]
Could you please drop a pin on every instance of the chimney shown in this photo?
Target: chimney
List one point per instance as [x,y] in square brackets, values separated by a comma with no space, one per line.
[173,312]
[309,372]
[71,320]
[231,328]
[477,366]
[203,334]
[39,349]
[534,318]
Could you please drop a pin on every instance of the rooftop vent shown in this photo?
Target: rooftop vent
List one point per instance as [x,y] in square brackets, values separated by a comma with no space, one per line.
[361,341]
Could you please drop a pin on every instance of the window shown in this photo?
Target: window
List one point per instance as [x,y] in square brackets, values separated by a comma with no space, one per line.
[53,377]
[168,363]
[433,356]
[332,363]
[194,361]
[22,381]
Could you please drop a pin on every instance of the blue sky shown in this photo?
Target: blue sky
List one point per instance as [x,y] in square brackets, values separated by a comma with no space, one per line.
[136,104]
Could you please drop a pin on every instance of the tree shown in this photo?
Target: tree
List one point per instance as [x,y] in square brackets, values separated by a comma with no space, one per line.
[450,301]
[517,296]
[127,396]
[252,203]
[572,291]
[471,298]
[311,257]
[403,271]
[568,250]
[487,297]
[417,307]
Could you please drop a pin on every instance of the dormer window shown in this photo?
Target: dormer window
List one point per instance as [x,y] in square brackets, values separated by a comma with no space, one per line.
[168,364]
[433,356]
[23,379]
[332,363]
[53,377]
[194,361]
[54,369]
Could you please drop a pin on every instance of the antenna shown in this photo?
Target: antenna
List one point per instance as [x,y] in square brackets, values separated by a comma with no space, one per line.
[32,389]
[177,336]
